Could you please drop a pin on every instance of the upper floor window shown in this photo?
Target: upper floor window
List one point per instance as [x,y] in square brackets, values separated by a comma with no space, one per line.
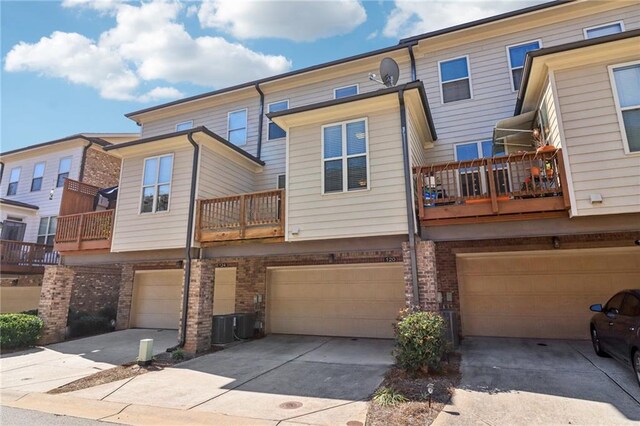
[237,127]
[343,92]
[47,230]
[156,184]
[185,125]
[12,189]
[626,90]
[345,163]
[63,171]
[274,131]
[604,30]
[282,181]
[13,229]
[516,55]
[475,181]
[455,81]
[38,173]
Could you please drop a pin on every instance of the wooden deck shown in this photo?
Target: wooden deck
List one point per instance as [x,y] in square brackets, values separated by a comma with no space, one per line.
[252,216]
[17,257]
[85,231]
[514,187]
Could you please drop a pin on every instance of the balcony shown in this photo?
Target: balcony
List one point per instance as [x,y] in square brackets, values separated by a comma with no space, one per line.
[513,187]
[17,257]
[253,216]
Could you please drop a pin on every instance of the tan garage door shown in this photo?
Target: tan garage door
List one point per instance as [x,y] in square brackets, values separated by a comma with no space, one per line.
[346,300]
[541,294]
[224,293]
[156,299]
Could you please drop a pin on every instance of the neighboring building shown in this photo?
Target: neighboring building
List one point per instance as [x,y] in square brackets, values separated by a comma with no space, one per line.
[31,190]
[325,203]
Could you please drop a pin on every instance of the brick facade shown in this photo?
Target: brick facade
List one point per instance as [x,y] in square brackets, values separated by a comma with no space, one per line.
[200,309]
[54,303]
[427,276]
[95,288]
[100,169]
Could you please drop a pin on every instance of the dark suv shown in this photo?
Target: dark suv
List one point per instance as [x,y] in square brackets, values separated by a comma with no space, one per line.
[615,329]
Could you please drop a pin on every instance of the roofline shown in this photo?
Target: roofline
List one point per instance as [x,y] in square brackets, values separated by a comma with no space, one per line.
[200,129]
[362,96]
[96,140]
[484,21]
[19,204]
[531,55]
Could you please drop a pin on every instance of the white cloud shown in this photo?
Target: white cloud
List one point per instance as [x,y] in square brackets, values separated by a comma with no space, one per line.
[146,45]
[410,18]
[289,19]
[372,35]
[99,5]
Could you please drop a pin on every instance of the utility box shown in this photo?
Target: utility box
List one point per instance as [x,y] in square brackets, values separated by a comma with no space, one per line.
[245,325]
[222,329]
[452,330]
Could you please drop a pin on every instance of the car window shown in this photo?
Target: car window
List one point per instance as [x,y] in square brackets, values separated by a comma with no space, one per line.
[614,302]
[630,306]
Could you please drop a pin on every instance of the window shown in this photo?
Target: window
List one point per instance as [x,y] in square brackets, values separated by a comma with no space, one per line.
[282,181]
[38,173]
[344,157]
[614,304]
[630,306]
[343,92]
[12,189]
[516,55]
[475,181]
[156,184]
[237,127]
[63,171]
[274,131]
[455,81]
[13,229]
[604,30]
[185,125]
[47,230]
[625,80]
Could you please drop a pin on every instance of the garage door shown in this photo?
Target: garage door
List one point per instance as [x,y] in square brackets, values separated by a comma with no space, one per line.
[346,300]
[224,293]
[157,299]
[540,294]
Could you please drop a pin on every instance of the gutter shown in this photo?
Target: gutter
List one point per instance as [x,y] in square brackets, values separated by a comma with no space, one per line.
[260,120]
[408,197]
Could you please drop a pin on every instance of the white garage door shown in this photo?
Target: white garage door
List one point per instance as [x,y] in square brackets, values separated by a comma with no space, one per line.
[543,294]
[345,300]
[157,298]
[224,292]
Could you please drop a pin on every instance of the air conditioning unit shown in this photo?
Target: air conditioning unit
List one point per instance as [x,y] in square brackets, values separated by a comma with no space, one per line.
[452,331]
[222,329]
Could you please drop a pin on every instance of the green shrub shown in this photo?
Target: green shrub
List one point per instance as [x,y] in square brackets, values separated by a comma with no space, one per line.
[19,330]
[388,396]
[177,355]
[108,312]
[89,324]
[420,341]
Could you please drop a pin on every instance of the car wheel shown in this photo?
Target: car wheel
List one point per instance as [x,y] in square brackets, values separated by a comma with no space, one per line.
[636,364]
[595,340]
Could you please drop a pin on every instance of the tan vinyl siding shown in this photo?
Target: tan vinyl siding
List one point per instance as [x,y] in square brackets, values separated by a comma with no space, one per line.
[220,176]
[553,135]
[378,211]
[593,141]
[416,148]
[135,231]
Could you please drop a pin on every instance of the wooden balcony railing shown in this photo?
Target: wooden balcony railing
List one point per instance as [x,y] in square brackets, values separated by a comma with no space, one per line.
[26,258]
[240,217]
[512,187]
[85,231]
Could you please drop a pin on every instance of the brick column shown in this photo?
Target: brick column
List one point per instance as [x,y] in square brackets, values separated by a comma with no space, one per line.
[427,277]
[124,297]
[251,279]
[200,310]
[55,298]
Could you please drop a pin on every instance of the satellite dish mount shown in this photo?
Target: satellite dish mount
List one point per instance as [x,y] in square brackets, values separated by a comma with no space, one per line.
[389,73]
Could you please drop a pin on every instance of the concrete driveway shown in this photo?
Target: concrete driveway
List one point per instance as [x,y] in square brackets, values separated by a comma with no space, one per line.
[521,381]
[293,379]
[44,368]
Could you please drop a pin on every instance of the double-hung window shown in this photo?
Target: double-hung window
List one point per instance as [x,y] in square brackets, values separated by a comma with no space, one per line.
[343,92]
[13,229]
[475,181]
[47,230]
[38,174]
[455,79]
[345,156]
[185,125]
[274,131]
[625,79]
[63,171]
[156,184]
[516,55]
[604,30]
[237,127]
[12,189]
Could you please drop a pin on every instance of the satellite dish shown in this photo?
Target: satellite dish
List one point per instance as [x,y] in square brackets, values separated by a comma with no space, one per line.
[389,73]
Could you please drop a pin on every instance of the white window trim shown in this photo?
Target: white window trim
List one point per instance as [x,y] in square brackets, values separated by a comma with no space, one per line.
[47,234]
[19,169]
[357,85]
[155,198]
[455,79]
[595,27]
[184,122]
[344,157]
[246,128]
[278,180]
[33,175]
[484,185]
[619,110]
[269,121]
[539,41]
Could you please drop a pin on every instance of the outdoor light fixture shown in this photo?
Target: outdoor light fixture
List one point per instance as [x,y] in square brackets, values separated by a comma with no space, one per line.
[51,194]
[556,242]
[430,391]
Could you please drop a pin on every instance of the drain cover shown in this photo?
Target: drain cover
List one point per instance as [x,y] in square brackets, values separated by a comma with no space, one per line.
[354,423]
[290,405]
[542,344]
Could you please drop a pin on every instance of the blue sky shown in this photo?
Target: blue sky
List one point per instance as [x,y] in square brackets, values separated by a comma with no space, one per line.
[80,65]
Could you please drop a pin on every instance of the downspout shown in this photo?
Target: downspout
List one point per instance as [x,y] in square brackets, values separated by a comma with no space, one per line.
[1,170]
[414,76]
[408,197]
[84,158]
[187,268]
[260,119]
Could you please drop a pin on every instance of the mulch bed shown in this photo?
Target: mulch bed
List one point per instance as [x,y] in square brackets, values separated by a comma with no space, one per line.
[417,411]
